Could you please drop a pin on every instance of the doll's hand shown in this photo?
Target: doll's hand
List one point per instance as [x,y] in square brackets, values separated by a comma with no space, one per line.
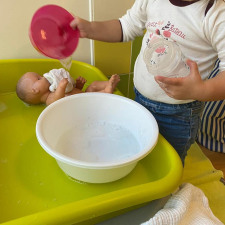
[183,88]
[80,82]
[63,83]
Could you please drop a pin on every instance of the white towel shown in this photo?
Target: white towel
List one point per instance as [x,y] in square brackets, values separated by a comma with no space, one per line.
[188,206]
[55,76]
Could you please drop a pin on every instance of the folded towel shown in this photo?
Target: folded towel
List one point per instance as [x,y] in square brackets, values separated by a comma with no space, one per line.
[188,206]
[55,76]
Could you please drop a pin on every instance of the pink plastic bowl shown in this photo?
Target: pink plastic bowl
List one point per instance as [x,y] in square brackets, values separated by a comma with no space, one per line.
[51,34]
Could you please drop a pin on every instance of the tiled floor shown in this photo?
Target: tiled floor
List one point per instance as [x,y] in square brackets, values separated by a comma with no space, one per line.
[217,159]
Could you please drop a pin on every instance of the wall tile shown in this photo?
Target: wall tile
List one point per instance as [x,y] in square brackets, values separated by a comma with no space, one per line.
[136,46]
[111,57]
[108,9]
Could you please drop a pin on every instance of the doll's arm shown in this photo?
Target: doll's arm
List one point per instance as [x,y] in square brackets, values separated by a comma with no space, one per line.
[59,92]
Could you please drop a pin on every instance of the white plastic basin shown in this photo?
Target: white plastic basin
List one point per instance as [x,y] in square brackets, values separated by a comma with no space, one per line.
[97,137]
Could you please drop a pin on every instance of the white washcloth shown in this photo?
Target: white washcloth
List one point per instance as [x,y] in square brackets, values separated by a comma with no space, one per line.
[55,76]
[188,206]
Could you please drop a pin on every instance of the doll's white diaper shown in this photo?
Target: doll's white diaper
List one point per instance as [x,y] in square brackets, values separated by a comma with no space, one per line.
[55,76]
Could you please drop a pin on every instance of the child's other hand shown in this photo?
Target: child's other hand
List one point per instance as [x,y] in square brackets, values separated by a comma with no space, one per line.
[183,88]
[82,25]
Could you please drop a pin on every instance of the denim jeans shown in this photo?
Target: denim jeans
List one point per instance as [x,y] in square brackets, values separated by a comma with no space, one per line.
[178,123]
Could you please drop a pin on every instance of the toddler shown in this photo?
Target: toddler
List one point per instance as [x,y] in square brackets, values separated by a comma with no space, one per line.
[33,88]
[197,26]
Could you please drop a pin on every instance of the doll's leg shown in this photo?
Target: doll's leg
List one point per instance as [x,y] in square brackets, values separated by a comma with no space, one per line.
[104,86]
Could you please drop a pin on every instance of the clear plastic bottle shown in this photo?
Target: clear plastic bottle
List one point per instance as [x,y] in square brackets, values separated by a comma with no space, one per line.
[163,57]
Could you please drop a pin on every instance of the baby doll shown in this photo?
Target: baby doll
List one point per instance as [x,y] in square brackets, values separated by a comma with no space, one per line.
[33,88]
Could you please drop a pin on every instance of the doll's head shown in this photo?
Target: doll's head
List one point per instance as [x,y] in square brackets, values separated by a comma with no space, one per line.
[31,88]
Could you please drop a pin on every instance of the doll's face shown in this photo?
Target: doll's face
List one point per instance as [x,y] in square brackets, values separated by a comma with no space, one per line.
[37,82]
[35,85]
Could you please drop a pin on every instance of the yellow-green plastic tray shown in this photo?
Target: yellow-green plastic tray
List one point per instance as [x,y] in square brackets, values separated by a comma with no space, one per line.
[34,190]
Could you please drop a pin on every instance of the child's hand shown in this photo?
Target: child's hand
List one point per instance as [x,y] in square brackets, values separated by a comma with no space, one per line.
[183,88]
[63,83]
[82,25]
